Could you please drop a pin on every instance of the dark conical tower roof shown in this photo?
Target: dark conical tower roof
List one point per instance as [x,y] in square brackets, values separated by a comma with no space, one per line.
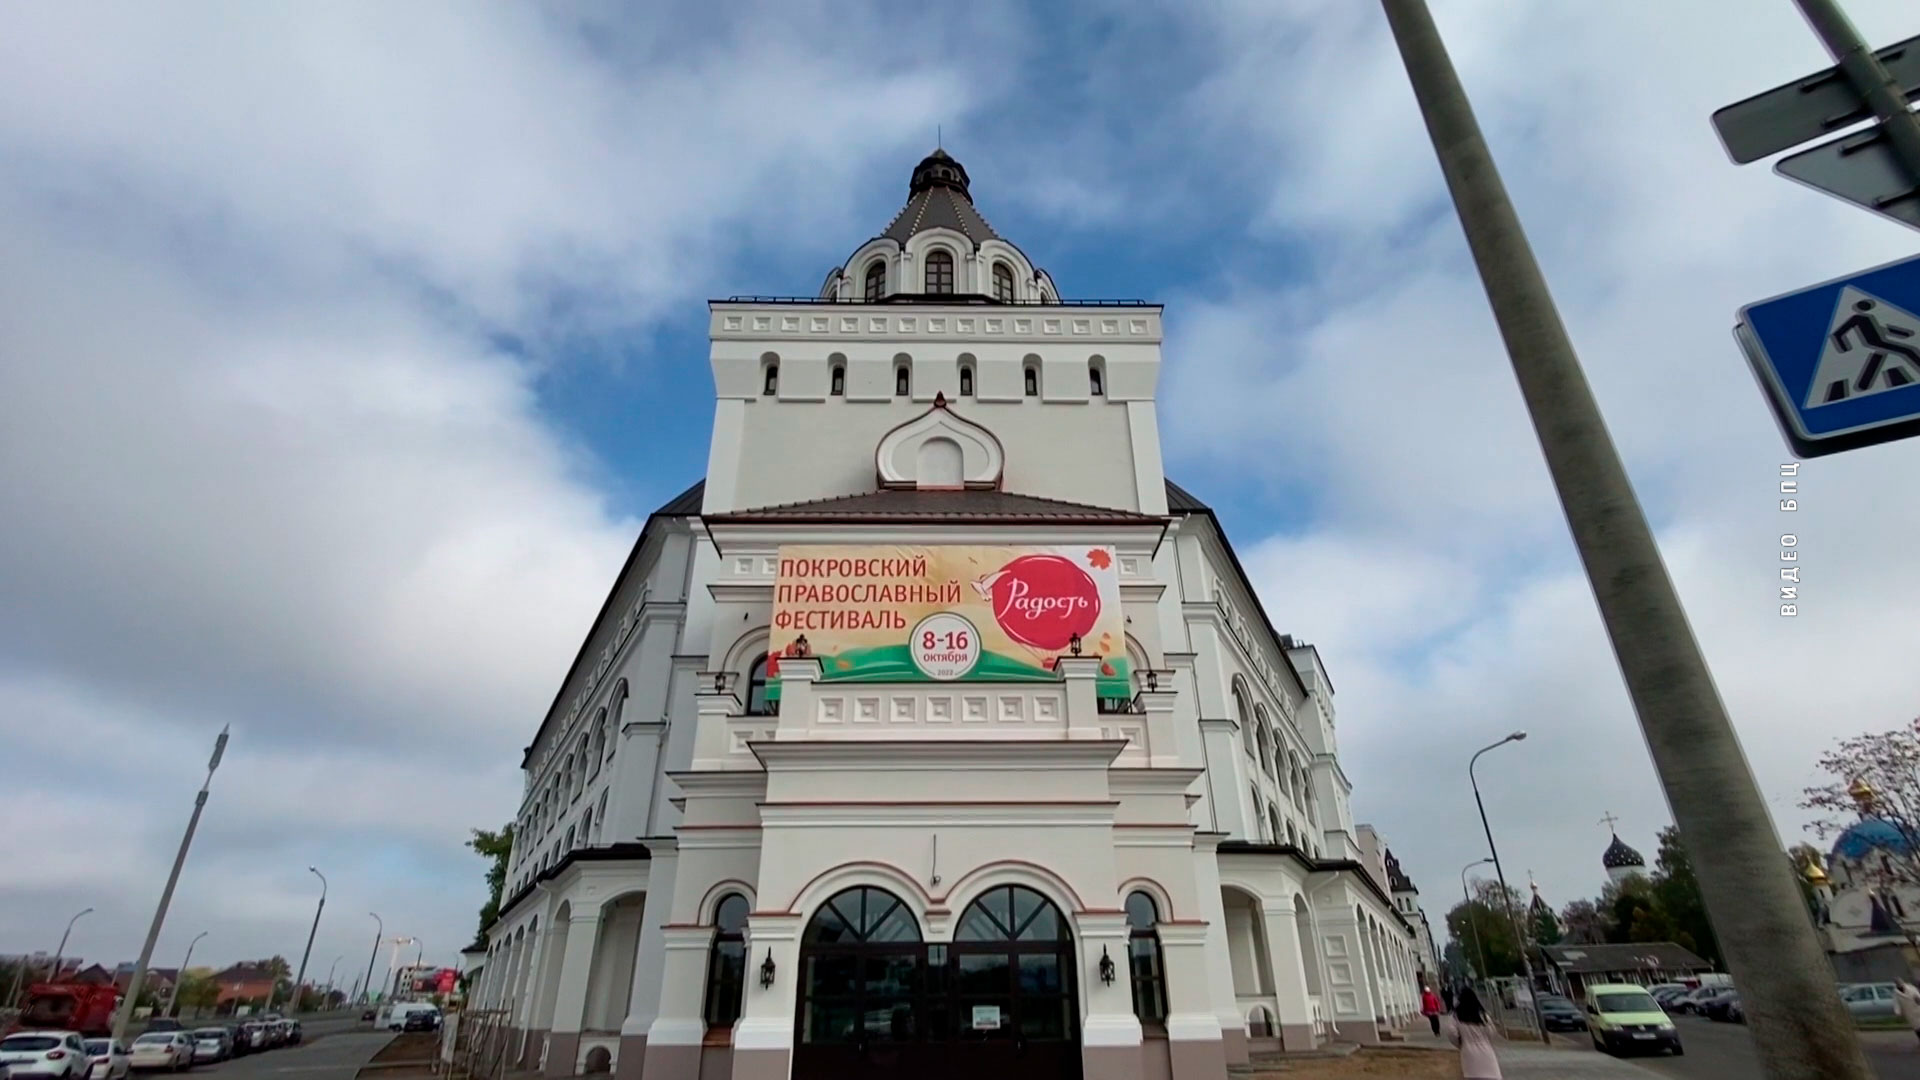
[1618,855]
[938,197]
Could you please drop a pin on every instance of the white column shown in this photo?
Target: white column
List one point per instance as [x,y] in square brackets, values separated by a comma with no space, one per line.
[1110,1028]
[712,737]
[1196,1043]
[797,676]
[1163,746]
[763,1037]
[674,1037]
[643,1003]
[1349,996]
[576,964]
[1289,976]
[1219,965]
[1080,674]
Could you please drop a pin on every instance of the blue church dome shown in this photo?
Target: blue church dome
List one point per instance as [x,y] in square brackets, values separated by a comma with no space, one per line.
[1867,836]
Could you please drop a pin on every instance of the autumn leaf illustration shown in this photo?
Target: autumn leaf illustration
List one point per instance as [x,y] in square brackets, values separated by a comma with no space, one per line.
[1099,559]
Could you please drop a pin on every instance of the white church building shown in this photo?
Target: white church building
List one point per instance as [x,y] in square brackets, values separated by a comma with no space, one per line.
[936,733]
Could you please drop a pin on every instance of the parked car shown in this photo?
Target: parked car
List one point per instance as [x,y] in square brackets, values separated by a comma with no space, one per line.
[107,1060]
[212,1044]
[421,1020]
[1724,1006]
[368,1015]
[1622,1018]
[169,1050]
[1691,1001]
[1867,1000]
[397,1016]
[1559,1014]
[46,1054]
[164,1023]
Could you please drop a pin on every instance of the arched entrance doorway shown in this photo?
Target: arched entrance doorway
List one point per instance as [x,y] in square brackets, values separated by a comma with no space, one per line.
[876,1001]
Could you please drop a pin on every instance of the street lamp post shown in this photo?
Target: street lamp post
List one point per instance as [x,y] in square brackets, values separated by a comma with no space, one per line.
[61,952]
[1506,897]
[125,1015]
[1478,949]
[294,1004]
[179,977]
[331,968]
[366,986]
[1786,983]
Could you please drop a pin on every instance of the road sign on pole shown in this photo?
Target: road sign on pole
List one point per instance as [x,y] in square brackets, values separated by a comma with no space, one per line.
[1807,108]
[1840,361]
[1862,169]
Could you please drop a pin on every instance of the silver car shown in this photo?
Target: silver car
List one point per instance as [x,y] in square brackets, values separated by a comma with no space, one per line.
[1867,1000]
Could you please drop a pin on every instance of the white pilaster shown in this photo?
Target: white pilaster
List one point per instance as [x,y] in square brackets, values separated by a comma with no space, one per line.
[649,963]
[797,676]
[576,964]
[1083,703]
[1289,968]
[1109,1020]
[766,1014]
[682,983]
[1219,965]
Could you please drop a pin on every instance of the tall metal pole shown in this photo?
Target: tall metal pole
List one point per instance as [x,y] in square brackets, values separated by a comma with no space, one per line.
[294,1003]
[331,968]
[1478,949]
[60,952]
[1506,894]
[173,994]
[125,1015]
[1869,78]
[1786,984]
[366,985]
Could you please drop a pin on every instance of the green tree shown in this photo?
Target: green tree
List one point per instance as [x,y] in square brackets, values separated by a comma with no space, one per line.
[1542,927]
[496,847]
[198,991]
[1582,924]
[1484,919]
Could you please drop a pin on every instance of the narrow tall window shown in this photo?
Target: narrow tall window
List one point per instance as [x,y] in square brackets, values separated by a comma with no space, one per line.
[1002,283]
[1096,382]
[727,962]
[757,703]
[1033,381]
[876,280]
[939,272]
[902,381]
[1144,960]
[772,384]
[966,380]
[837,382]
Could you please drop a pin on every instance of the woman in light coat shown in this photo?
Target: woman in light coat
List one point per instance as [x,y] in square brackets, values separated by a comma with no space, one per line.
[1469,1032]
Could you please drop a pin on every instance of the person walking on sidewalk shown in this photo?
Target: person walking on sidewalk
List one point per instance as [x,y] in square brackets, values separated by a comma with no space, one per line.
[1907,997]
[1469,1032]
[1430,1005]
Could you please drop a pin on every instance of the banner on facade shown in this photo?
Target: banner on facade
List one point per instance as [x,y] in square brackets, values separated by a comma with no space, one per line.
[947,613]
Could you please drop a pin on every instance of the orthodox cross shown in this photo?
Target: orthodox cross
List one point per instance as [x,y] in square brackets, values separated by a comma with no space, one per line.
[1609,821]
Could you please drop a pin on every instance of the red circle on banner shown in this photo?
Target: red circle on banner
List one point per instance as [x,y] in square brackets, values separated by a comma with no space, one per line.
[1041,601]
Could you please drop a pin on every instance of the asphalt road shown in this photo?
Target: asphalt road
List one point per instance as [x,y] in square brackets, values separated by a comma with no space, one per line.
[1717,1051]
[336,1056]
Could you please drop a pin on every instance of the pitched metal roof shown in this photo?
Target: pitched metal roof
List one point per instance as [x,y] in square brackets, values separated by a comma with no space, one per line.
[938,197]
[927,506]
[688,502]
[1182,501]
[1639,956]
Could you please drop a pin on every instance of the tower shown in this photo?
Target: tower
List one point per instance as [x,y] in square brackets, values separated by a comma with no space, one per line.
[1622,862]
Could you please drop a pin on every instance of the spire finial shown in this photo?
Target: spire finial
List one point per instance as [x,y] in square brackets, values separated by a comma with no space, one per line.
[939,140]
[1610,821]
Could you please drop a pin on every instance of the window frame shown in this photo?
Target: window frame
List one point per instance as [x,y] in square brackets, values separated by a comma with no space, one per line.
[1030,374]
[874,284]
[941,260]
[770,379]
[966,380]
[1096,381]
[722,998]
[766,706]
[837,381]
[902,380]
[1002,273]
[1144,951]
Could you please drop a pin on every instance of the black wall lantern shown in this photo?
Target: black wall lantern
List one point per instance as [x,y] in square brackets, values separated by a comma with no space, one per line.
[1106,966]
[800,646]
[1153,679]
[1073,643]
[766,971]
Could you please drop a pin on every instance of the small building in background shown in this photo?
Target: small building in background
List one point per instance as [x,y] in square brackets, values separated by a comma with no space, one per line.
[1572,968]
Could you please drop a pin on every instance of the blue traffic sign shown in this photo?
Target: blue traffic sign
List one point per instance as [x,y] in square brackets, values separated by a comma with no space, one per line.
[1840,362]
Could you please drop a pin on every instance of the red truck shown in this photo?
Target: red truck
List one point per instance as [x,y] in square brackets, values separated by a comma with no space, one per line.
[80,1007]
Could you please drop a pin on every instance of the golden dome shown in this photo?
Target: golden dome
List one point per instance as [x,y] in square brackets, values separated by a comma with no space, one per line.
[1813,873]
[1861,791]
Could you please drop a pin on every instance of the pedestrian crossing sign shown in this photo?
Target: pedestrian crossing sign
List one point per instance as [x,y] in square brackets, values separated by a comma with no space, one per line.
[1839,362]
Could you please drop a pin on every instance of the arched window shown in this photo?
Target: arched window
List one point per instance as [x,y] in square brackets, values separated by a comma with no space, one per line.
[876,279]
[1245,716]
[1096,381]
[771,385]
[757,703]
[837,381]
[939,271]
[863,971]
[1033,380]
[1002,283]
[601,811]
[902,380]
[1263,749]
[1143,954]
[1273,822]
[599,743]
[613,718]
[727,962]
[568,845]
[1259,815]
[966,380]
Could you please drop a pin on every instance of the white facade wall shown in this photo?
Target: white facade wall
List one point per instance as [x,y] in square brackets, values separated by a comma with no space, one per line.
[936,792]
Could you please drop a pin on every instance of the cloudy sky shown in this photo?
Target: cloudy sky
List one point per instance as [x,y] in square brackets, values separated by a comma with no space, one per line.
[343,351]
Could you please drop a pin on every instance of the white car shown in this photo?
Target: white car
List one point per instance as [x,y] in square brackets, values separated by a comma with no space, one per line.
[109,1060]
[169,1050]
[45,1054]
